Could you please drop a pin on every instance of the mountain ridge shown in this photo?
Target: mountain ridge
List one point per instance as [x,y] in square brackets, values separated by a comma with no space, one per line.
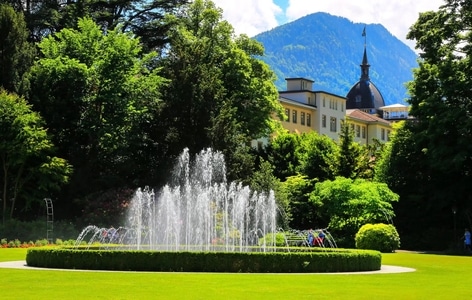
[329,50]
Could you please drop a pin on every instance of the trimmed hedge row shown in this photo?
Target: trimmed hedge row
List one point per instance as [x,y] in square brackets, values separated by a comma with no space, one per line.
[249,262]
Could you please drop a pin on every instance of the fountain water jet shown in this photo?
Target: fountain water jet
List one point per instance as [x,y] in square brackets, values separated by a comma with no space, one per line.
[200,211]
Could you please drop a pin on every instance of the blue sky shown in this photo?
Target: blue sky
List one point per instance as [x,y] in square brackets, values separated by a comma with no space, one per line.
[255,16]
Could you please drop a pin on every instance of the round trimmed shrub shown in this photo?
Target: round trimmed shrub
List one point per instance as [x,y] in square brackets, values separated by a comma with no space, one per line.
[380,237]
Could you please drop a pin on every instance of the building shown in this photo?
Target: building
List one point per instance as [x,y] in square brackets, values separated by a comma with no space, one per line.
[307,110]
[363,109]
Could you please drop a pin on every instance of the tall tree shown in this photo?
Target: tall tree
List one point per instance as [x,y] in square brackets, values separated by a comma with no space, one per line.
[29,170]
[442,104]
[144,18]
[214,77]
[404,167]
[16,53]
[348,164]
[98,94]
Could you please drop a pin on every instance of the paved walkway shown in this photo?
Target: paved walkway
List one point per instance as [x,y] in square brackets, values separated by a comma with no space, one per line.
[385,269]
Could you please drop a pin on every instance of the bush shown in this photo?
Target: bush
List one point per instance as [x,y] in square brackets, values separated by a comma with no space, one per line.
[380,237]
[269,239]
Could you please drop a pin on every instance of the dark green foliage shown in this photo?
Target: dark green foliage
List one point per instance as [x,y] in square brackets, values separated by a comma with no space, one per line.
[283,155]
[328,49]
[251,262]
[36,230]
[144,18]
[219,95]
[30,171]
[380,237]
[16,54]
[317,155]
[98,95]
[303,213]
[350,154]
[429,163]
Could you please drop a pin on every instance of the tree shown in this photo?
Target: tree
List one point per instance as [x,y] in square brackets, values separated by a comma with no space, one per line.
[441,102]
[16,54]
[349,203]
[349,154]
[405,168]
[214,78]
[303,213]
[30,172]
[283,154]
[318,155]
[144,18]
[99,95]
[263,181]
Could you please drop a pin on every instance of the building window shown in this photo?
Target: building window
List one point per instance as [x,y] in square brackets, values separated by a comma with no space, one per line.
[382,134]
[302,118]
[287,113]
[324,102]
[358,131]
[332,124]
[363,132]
[323,121]
[294,116]
[388,135]
[308,120]
[352,127]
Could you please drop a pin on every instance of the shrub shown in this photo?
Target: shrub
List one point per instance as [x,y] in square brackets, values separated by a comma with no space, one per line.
[380,237]
[269,239]
[328,260]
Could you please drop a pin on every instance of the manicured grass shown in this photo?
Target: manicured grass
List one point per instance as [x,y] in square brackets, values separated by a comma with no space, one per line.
[437,277]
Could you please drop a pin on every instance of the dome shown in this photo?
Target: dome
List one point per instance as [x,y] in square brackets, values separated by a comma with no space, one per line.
[364,94]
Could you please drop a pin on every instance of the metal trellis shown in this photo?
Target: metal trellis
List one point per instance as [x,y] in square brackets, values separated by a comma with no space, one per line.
[50,219]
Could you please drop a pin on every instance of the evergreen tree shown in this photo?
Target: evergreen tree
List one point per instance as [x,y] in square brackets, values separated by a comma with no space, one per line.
[16,53]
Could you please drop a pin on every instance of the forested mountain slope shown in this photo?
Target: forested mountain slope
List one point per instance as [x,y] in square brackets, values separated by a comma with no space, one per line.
[329,49]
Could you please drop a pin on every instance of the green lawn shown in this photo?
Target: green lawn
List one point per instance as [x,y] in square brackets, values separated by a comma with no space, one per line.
[437,277]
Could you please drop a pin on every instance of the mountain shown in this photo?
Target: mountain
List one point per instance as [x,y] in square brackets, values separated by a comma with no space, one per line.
[329,50]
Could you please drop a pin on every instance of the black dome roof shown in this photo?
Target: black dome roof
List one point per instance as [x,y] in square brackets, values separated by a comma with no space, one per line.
[364,94]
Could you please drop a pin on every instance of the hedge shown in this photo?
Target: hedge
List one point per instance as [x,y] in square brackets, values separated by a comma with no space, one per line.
[336,260]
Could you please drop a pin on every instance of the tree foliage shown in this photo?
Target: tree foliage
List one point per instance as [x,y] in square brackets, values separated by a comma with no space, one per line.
[352,203]
[144,18]
[219,93]
[283,154]
[318,156]
[98,94]
[30,171]
[430,161]
[16,53]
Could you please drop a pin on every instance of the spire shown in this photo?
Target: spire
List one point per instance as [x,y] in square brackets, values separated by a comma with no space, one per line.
[365,64]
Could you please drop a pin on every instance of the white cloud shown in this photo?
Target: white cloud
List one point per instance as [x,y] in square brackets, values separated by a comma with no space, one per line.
[255,16]
[249,16]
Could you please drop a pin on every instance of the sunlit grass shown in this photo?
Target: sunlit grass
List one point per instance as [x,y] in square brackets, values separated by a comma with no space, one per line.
[436,277]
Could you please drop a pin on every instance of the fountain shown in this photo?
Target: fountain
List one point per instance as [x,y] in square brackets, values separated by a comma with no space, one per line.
[198,211]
